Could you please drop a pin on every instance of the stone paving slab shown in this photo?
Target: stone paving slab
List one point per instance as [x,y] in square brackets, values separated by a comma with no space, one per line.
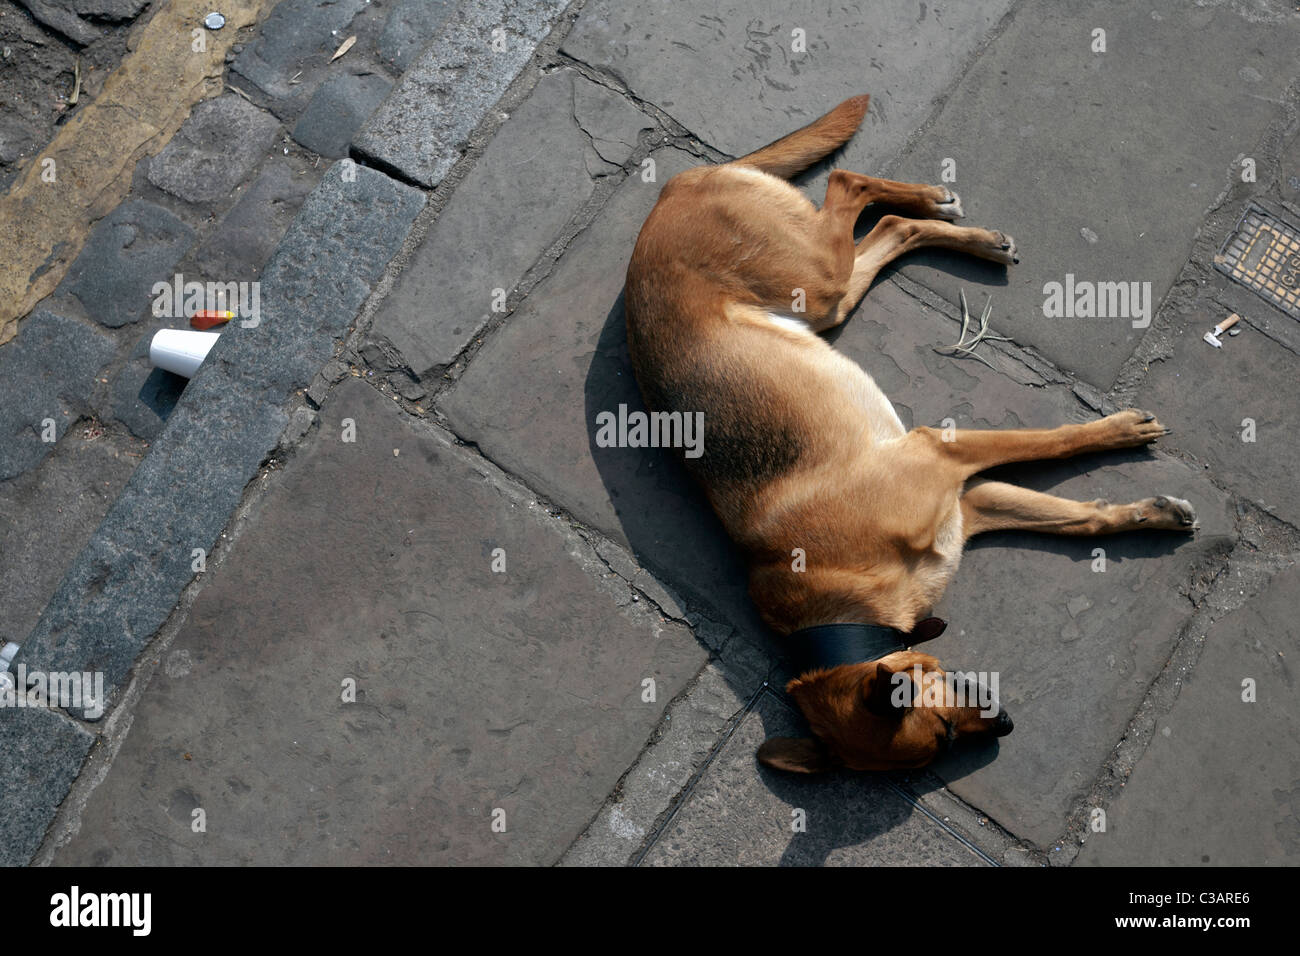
[475,690]
[122,587]
[1099,164]
[423,127]
[126,253]
[337,111]
[743,814]
[1214,391]
[530,397]
[730,75]
[534,176]
[47,374]
[41,753]
[1220,782]
[290,41]
[215,150]
[411,24]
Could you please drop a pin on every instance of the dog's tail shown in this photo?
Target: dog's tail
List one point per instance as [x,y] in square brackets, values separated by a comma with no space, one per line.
[794,153]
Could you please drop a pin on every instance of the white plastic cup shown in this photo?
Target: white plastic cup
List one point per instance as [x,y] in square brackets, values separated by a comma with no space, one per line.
[180,350]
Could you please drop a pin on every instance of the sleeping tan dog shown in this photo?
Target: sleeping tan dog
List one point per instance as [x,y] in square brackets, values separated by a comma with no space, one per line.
[804,455]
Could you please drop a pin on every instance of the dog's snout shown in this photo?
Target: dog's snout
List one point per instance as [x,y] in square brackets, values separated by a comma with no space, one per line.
[1002,723]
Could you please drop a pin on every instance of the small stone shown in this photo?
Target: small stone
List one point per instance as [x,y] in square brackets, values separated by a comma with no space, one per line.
[214,21]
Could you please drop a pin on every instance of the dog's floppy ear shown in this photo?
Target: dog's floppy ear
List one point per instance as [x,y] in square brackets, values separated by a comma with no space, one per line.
[890,693]
[795,754]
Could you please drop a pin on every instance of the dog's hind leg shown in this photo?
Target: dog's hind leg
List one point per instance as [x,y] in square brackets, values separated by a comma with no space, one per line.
[997,506]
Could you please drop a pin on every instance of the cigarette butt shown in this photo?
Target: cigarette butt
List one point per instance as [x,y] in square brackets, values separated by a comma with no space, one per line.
[1227,323]
[206,318]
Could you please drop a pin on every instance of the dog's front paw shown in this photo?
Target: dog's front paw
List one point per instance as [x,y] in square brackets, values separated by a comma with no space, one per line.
[1134,427]
[949,208]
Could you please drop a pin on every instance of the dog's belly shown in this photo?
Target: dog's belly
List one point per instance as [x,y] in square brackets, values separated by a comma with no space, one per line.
[859,388]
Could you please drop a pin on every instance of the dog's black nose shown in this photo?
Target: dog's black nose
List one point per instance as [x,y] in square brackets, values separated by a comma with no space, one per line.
[1002,724]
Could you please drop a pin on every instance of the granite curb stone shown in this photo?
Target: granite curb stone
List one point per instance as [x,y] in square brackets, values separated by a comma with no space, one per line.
[423,127]
[123,586]
[41,753]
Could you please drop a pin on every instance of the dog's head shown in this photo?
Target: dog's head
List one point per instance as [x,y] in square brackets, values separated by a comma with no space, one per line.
[898,712]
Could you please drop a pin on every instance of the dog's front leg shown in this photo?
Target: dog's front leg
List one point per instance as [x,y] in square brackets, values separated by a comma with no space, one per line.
[974,450]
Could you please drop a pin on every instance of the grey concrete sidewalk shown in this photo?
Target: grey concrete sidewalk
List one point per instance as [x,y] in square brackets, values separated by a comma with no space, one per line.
[442,625]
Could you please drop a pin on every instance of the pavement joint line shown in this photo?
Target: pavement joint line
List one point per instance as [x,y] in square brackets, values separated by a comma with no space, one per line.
[545,58]
[976,54]
[1157,700]
[656,735]
[941,824]
[478,141]
[938,787]
[694,617]
[684,795]
[112,732]
[534,276]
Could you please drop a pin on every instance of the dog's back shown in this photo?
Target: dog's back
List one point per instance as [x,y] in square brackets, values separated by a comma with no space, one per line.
[795,434]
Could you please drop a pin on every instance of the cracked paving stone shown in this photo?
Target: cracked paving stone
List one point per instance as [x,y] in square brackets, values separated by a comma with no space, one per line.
[759,89]
[424,126]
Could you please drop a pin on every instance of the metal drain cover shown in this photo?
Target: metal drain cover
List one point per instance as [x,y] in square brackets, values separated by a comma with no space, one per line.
[1263,254]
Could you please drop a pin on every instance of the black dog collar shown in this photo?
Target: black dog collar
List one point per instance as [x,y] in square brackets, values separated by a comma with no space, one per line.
[830,645]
